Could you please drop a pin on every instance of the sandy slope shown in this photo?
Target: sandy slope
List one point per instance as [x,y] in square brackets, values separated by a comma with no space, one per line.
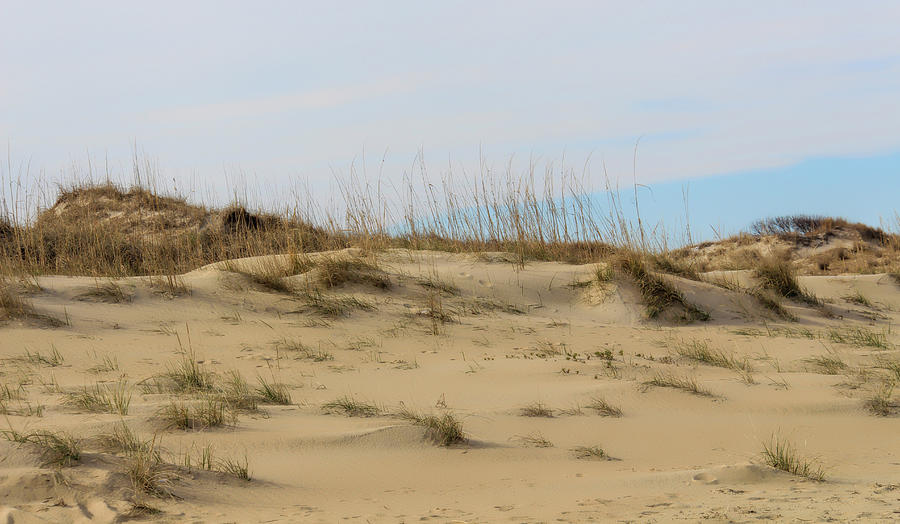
[677,456]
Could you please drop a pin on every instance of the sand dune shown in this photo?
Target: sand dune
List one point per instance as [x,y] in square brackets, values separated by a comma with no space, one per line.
[487,341]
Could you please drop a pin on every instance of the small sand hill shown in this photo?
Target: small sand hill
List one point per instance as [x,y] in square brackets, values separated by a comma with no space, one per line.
[814,245]
[422,386]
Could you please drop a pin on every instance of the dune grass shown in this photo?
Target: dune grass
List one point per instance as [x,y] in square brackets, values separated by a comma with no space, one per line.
[534,440]
[52,358]
[56,448]
[272,392]
[781,454]
[444,429]
[862,337]
[208,413]
[779,276]
[590,453]
[669,380]
[604,408]
[658,294]
[351,407]
[536,409]
[699,351]
[881,403]
[109,292]
[102,398]
[303,351]
[238,468]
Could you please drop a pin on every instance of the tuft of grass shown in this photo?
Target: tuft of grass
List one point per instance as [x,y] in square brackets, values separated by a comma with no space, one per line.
[148,474]
[781,454]
[688,384]
[271,392]
[443,430]
[110,293]
[237,394]
[57,449]
[303,351]
[187,375]
[238,468]
[336,271]
[436,284]
[860,337]
[779,276]
[331,305]
[209,413]
[107,364]
[52,359]
[122,439]
[170,286]
[657,294]
[351,407]
[699,351]
[830,364]
[269,276]
[590,453]
[673,266]
[772,303]
[604,408]
[859,299]
[13,306]
[140,509]
[880,402]
[535,440]
[536,409]
[104,398]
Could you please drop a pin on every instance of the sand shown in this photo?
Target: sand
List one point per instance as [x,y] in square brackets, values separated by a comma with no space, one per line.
[514,337]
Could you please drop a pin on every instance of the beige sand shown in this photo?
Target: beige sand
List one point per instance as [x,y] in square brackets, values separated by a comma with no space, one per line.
[677,456]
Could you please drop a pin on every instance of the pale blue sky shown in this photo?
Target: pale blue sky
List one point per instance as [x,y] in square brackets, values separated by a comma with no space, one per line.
[285,91]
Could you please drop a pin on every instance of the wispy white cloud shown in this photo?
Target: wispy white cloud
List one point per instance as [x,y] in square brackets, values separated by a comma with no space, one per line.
[320,98]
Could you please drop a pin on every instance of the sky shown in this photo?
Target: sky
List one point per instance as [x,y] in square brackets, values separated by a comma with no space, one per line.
[718,95]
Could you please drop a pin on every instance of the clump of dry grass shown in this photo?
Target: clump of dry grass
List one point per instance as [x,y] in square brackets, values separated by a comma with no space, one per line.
[658,295]
[604,408]
[303,351]
[122,439]
[272,392]
[534,440]
[699,351]
[236,467]
[53,358]
[669,380]
[332,305]
[674,266]
[860,337]
[781,454]
[187,375]
[208,413]
[536,409]
[778,275]
[590,453]
[237,394]
[171,286]
[102,398]
[351,407]
[880,403]
[109,292]
[148,474]
[57,449]
[13,306]
[830,364]
[444,430]
[337,271]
